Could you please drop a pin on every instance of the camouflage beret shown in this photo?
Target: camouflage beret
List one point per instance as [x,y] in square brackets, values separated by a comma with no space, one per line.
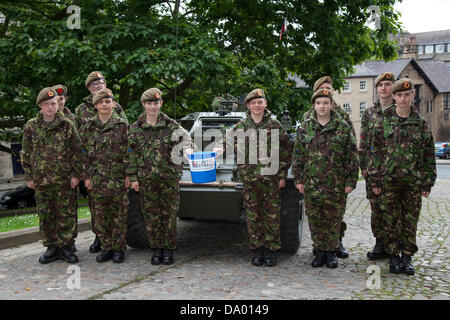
[94,75]
[152,94]
[46,94]
[102,93]
[322,80]
[60,89]
[321,93]
[404,84]
[256,93]
[385,76]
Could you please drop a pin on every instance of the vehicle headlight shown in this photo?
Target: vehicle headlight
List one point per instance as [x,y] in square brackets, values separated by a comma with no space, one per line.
[6,198]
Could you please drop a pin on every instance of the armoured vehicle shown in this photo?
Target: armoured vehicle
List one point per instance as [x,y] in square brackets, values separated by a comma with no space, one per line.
[220,200]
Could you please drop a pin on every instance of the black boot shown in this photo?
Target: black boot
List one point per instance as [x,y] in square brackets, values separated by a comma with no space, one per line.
[157,256]
[258,256]
[332,261]
[320,259]
[74,249]
[104,256]
[342,252]
[378,252]
[51,254]
[271,258]
[96,246]
[118,256]
[167,256]
[68,255]
[395,264]
[407,266]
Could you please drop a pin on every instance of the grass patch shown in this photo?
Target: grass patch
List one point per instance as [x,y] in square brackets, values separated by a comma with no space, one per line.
[31,220]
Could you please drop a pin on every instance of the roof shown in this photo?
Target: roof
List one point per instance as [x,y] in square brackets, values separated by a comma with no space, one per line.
[362,72]
[438,73]
[432,37]
[380,66]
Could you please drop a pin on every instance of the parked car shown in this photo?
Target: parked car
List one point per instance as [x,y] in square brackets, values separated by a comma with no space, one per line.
[442,150]
[21,197]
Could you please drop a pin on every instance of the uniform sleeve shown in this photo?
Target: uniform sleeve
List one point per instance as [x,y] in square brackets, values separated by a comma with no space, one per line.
[376,155]
[131,157]
[86,152]
[364,146]
[352,163]
[299,158]
[26,152]
[77,152]
[118,108]
[77,117]
[349,122]
[285,155]
[429,161]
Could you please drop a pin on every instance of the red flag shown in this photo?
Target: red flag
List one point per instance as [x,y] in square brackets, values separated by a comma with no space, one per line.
[283,28]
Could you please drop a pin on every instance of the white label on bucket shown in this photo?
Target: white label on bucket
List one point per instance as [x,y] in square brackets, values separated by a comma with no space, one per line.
[199,165]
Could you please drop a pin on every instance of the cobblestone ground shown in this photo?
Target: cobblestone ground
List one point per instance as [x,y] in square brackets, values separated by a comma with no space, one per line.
[213,262]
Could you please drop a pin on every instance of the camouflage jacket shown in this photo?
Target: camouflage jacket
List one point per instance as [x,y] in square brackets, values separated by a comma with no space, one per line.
[86,111]
[51,151]
[368,120]
[344,115]
[402,151]
[325,158]
[150,149]
[69,115]
[104,151]
[251,169]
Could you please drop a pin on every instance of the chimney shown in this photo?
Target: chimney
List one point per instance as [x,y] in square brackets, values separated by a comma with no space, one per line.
[411,49]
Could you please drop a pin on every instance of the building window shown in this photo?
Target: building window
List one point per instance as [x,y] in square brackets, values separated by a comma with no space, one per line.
[429,49]
[347,107]
[362,107]
[447,101]
[430,106]
[346,86]
[440,48]
[363,85]
[445,116]
[420,49]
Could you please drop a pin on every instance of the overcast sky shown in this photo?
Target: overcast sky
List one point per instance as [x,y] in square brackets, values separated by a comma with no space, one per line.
[424,15]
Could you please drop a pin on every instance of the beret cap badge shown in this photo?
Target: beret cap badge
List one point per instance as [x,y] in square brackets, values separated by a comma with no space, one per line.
[406,85]
[156,95]
[325,92]
[50,93]
[99,75]
[259,92]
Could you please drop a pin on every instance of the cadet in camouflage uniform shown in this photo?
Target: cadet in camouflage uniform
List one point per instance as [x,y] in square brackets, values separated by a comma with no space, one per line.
[61,90]
[50,155]
[83,113]
[325,165]
[153,172]
[104,139]
[261,195]
[383,84]
[403,166]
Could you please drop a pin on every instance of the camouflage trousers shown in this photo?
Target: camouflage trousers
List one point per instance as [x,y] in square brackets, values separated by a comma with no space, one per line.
[325,216]
[400,219]
[57,210]
[160,201]
[110,209]
[376,216]
[262,202]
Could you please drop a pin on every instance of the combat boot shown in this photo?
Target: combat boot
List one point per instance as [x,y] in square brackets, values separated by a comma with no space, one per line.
[320,259]
[407,266]
[394,264]
[378,252]
[258,256]
[68,255]
[104,256]
[157,256]
[51,254]
[96,246]
[118,256]
[331,258]
[342,252]
[271,258]
[167,256]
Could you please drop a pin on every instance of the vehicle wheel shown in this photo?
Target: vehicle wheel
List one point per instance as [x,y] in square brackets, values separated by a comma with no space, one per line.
[291,223]
[22,204]
[136,232]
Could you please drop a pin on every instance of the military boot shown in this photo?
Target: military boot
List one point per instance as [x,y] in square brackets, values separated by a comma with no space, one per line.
[395,264]
[68,255]
[320,259]
[51,254]
[157,256]
[378,252]
[167,256]
[258,256]
[271,258]
[118,256]
[342,252]
[104,256]
[96,246]
[331,258]
[407,266]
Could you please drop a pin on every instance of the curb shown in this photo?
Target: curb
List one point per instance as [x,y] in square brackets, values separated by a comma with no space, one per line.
[23,236]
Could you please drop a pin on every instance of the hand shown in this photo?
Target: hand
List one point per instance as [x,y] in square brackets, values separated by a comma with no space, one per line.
[364,173]
[348,189]
[188,152]
[219,151]
[300,187]
[282,184]
[87,184]
[425,194]
[127,182]
[30,184]
[135,186]
[377,191]
[74,182]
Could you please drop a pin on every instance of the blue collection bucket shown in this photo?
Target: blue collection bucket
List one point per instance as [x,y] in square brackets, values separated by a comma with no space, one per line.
[203,167]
